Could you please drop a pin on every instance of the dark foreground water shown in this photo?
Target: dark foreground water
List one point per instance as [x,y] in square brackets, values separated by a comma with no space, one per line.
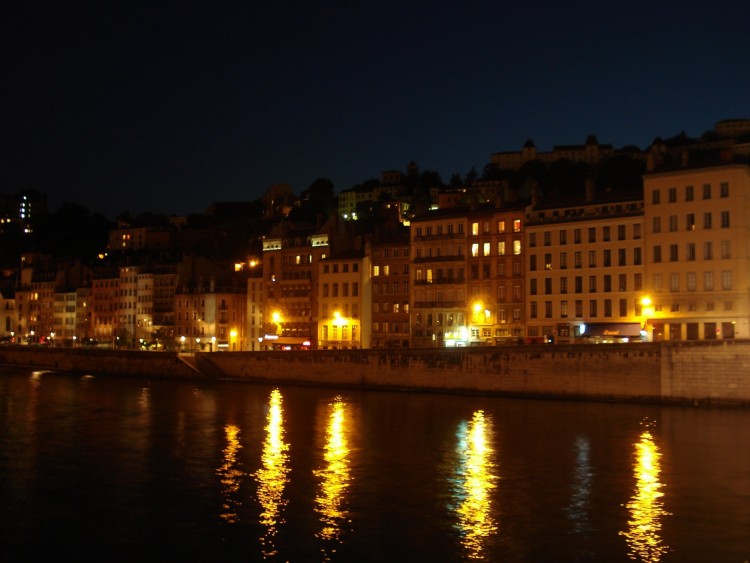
[101,469]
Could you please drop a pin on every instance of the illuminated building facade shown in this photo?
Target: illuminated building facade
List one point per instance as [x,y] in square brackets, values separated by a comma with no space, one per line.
[467,276]
[698,252]
[390,257]
[585,268]
[344,301]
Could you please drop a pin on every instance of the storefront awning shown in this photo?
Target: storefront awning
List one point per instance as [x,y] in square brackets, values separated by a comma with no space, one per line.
[613,330]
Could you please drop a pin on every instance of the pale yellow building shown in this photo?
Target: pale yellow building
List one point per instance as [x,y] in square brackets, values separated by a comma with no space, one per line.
[697,222]
[585,269]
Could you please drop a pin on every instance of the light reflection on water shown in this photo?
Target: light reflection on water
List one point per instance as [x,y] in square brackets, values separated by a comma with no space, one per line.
[231,475]
[334,478]
[475,479]
[273,475]
[237,473]
[646,506]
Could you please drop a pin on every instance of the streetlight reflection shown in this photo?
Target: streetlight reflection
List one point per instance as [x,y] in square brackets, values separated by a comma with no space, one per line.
[334,476]
[646,505]
[230,475]
[272,477]
[476,477]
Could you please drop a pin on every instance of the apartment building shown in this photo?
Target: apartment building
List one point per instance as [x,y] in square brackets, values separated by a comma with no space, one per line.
[467,267]
[698,253]
[344,301]
[585,268]
[390,256]
[290,281]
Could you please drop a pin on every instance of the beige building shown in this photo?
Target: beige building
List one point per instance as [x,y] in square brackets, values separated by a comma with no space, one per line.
[344,301]
[697,221]
[585,269]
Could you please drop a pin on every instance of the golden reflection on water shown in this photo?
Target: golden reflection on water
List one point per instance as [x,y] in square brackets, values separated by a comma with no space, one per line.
[646,506]
[272,477]
[334,476]
[476,478]
[230,475]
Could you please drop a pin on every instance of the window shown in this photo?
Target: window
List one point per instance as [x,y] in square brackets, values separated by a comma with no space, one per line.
[706,191]
[547,238]
[690,251]
[592,308]
[486,249]
[726,279]
[475,249]
[564,309]
[532,286]
[689,193]
[563,260]
[672,194]
[622,257]
[657,253]
[579,284]
[475,229]
[516,225]
[607,307]
[577,259]
[724,189]
[637,231]
[547,286]
[532,240]
[672,223]
[707,220]
[532,263]
[592,284]
[517,247]
[606,233]
[563,285]
[577,236]
[548,261]
[607,258]
[579,308]
[691,281]
[656,224]
[725,219]
[548,309]
[708,250]
[690,222]
[501,248]
[637,256]
[533,311]
[637,282]
[563,237]
[658,282]
[501,227]
[655,197]
[622,282]
[674,282]
[607,283]
[592,234]
[725,249]
[620,232]
[673,253]
[708,281]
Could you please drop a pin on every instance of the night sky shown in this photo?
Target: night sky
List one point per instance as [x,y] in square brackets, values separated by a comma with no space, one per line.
[169,106]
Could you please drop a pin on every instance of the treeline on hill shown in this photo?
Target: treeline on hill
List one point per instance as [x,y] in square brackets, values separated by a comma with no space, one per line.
[72,230]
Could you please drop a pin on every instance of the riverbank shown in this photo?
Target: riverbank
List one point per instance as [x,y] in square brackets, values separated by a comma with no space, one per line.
[694,373]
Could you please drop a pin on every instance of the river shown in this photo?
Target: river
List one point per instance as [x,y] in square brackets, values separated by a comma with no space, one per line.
[100,468]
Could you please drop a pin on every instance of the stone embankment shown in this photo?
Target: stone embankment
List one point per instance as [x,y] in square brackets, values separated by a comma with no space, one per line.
[715,373]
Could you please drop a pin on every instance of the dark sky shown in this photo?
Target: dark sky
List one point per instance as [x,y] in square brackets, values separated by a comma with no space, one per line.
[168,106]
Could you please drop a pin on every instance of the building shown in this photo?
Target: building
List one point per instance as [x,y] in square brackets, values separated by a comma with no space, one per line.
[467,276]
[389,254]
[344,301]
[698,252]
[584,280]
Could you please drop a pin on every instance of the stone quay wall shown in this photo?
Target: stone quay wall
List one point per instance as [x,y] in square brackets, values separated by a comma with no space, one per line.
[147,365]
[666,372]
